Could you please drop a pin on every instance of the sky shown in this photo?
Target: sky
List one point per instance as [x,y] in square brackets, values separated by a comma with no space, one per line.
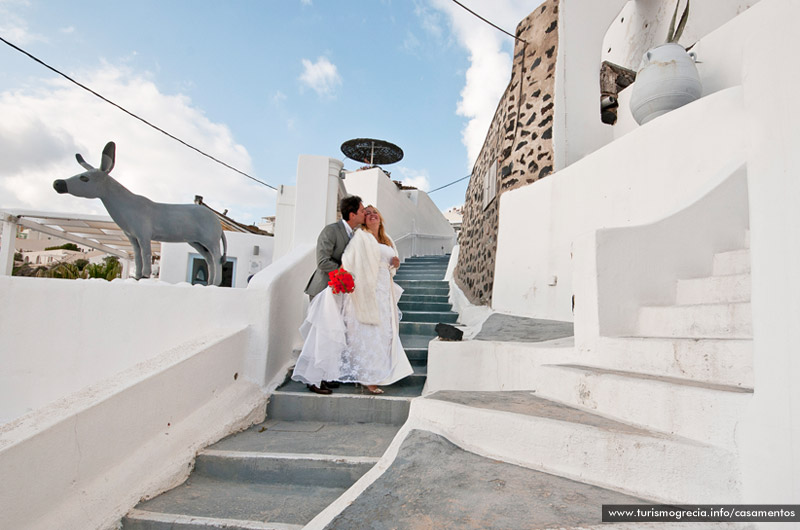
[254,84]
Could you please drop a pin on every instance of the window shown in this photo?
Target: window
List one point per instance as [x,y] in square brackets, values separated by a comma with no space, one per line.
[198,271]
[490,185]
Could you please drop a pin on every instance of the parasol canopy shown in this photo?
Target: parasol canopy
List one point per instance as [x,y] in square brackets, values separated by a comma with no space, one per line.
[371,151]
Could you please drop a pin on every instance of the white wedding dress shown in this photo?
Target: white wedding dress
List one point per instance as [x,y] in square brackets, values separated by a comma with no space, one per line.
[338,347]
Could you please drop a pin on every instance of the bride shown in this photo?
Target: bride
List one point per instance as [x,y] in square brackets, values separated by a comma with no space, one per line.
[354,338]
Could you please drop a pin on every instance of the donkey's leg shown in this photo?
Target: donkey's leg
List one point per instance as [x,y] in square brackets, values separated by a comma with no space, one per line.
[147,257]
[216,259]
[210,264]
[137,257]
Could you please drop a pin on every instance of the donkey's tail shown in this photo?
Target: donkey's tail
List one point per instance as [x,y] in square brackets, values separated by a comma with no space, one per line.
[224,248]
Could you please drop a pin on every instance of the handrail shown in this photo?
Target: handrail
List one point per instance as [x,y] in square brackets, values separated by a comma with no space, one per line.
[416,234]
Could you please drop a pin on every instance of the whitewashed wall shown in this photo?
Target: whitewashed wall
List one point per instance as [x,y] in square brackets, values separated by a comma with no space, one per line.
[128,380]
[719,52]
[176,257]
[646,175]
[768,437]
[620,32]
[97,328]
[284,220]
[410,217]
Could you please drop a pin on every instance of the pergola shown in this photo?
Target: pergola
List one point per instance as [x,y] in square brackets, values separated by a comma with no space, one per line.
[99,232]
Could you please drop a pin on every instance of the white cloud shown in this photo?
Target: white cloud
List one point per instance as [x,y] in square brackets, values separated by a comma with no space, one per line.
[412,177]
[42,129]
[490,62]
[322,76]
[13,27]
[278,98]
[305,2]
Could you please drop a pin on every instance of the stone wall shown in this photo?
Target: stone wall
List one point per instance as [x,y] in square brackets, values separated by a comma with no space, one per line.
[519,140]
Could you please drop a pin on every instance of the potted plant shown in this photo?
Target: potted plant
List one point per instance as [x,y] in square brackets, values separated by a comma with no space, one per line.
[668,77]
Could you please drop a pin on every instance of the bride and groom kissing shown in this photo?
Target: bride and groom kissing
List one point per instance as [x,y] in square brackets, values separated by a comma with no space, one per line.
[353,338]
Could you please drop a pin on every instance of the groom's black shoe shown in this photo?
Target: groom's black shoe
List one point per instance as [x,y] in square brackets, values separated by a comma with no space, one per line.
[318,390]
[329,384]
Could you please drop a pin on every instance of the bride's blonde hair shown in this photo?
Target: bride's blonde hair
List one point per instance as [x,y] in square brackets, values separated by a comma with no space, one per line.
[381,237]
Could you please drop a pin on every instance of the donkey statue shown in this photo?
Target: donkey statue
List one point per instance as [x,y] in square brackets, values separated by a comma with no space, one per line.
[143,220]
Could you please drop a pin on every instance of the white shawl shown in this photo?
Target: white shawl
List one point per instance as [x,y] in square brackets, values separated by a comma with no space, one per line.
[362,258]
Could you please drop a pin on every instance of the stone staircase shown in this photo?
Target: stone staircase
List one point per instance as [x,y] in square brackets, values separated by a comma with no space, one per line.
[683,380]
[311,448]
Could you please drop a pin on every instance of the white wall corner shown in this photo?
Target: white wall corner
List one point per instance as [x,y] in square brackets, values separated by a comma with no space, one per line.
[584,285]
[577,129]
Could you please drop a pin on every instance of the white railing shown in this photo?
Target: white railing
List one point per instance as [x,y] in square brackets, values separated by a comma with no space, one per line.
[415,244]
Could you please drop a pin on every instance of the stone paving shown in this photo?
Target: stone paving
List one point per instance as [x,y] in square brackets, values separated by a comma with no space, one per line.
[433,484]
[509,328]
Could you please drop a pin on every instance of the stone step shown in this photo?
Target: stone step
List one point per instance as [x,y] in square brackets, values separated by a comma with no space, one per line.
[215,503]
[437,257]
[143,520]
[712,321]
[433,284]
[424,265]
[732,262]
[345,440]
[283,459]
[418,276]
[425,298]
[416,347]
[724,362]
[426,291]
[577,444]
[433,483]
[418,328]
[343,406]
[429,316]
[699,411]
[424,306]
[296,469]
[714,290]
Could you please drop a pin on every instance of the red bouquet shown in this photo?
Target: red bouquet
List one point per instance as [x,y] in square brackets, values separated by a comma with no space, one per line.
[341,281]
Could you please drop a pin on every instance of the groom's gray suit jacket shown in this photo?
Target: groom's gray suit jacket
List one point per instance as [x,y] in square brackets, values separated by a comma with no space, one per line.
[330,246]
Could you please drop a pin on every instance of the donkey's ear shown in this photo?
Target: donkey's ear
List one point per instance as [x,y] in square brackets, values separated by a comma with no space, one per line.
[83,162]
[109,153]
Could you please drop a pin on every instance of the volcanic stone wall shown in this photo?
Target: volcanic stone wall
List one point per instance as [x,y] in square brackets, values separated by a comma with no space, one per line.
[519,140]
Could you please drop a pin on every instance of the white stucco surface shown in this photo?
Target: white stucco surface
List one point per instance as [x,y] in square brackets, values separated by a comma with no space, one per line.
[83,461]
[654,171]
[100,329]
[110,405]
[643,24]
[410,217]
[176,257]
[769,436]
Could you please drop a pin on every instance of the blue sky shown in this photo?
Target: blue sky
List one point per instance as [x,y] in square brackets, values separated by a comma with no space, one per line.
[254,83]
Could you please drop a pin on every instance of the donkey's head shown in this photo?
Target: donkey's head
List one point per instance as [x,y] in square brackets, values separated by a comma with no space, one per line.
[92,183]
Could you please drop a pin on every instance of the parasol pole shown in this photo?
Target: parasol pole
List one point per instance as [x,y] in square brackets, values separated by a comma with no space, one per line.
[372,153]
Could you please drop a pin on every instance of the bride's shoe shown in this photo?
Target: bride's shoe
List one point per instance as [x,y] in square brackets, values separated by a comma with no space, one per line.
[374,389]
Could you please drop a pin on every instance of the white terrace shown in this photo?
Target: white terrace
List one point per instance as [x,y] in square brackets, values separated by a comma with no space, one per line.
[679,239]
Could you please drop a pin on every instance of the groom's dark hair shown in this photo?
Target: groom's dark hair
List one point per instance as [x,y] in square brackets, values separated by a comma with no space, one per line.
[349,205]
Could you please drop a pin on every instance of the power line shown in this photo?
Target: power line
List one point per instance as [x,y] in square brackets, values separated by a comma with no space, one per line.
[489,22]
[454,182]
[129,113]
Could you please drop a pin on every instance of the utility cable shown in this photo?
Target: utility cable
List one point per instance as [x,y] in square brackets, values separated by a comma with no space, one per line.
[454,182]
[129,113]
[495,26]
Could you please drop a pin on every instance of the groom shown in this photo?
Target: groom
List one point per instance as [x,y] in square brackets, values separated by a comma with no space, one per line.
[330,246]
